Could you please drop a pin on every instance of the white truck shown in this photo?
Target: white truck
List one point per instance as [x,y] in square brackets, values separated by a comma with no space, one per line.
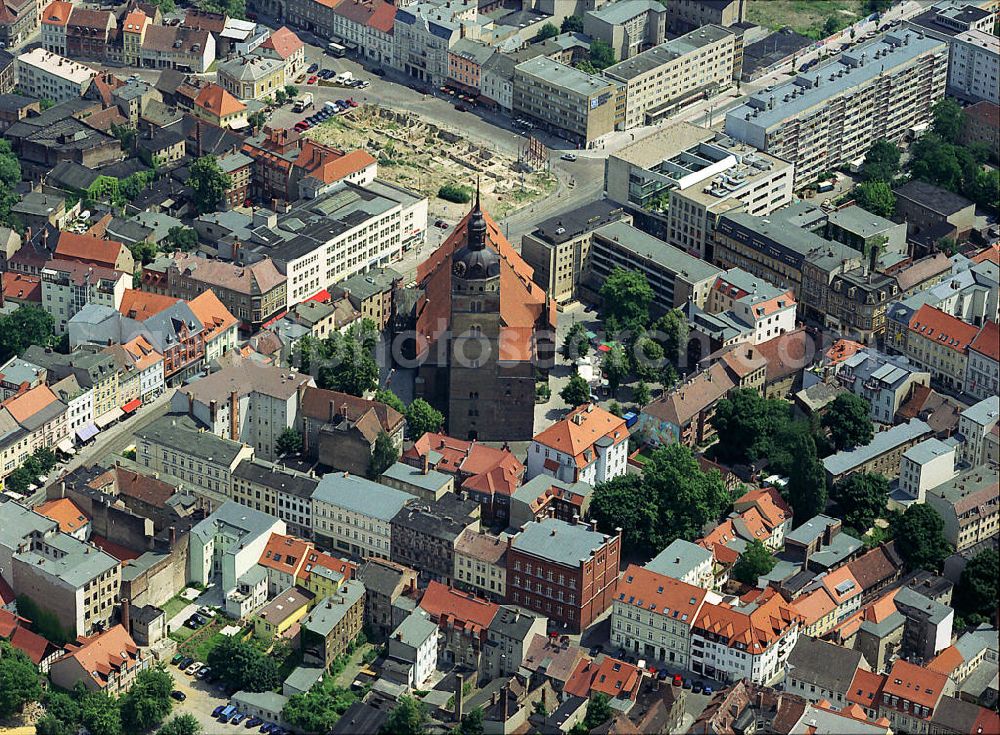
[303,102]
[343,79]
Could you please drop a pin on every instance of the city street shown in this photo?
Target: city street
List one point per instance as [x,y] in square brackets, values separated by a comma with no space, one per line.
[114,440]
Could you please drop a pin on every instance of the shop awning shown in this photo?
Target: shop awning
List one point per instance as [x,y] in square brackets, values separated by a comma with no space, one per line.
[66,447]
[132,405]
[87,432]
[106,419]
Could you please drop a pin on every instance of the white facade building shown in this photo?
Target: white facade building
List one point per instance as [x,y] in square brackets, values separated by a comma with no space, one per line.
[47,76]
[229,543]
[353,514]
[924,466]
[974,67]
[589,445]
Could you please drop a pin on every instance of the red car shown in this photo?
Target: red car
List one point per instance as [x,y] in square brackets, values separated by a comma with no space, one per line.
[312,79]
[678,680]
[352,103]
[301,125]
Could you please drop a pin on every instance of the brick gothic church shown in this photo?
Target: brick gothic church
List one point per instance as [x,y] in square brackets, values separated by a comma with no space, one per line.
[484,330]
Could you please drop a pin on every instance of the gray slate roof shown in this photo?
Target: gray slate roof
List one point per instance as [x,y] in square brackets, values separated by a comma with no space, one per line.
[558,541]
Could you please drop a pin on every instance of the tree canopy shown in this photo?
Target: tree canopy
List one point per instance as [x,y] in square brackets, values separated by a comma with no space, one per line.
[976,595]
[18,680]
[881,162]
[948,119]
[289,442]
[243,665]
[673,498]
[384,455]
[545,32]
[601,54]
[575,344]
[342,362]
[318,710]
[26,325]
[145,705]
[100,714]
[422,417]
[386,396]
[876,197]
[862,498]
[806,491]
[10,177]
[598,711]
[748,425]
[186,724]
[408,717]
[848,419]
[626,297]
[572,24]
[576,392]
[753,563]
[615,367]
[925,546]
[208,183]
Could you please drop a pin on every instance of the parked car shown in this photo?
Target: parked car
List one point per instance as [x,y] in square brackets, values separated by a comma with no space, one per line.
[678,680]
[240,716]
[178,695]
[568,156]
[193,668]
[253,722]
[707,689]
[461,108]
[697,687]
[203,672]
[185,662]
[688,684]
[218,710]
[312,80]
[206,612]
[441,223]
[313,68]
[177,657]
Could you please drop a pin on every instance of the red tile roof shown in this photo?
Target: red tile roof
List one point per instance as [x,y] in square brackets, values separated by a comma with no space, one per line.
[660,594]
[942,328]
[987,342]
[145,488]
[866,688]
[65,512]
[57,13]
[451,608]
[376,14]
[486,469]
[22,287]
[914,683]
[617,679]
[102,654]
[218,101]
[25,405]
[87,249]
[756,630]
[285,554]
[283,42]
[140,305]
[580,429]
[13,628]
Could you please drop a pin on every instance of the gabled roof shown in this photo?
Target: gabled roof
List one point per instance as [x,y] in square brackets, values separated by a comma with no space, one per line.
[914,683]
[581,429]
[218,101]
[451,608]
[756,626]
[140,305]
[29,403]
[324,405]
[617,679]
[656,593]
[57,13]
[283,42]
[102,654]
[65,512]
[212,313]
[87,249]
[487,469]
[942,328]
[987,342]
[689,399]
[285,554]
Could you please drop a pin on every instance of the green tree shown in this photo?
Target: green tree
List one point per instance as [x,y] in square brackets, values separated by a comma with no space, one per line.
[626,296]
[455,193]
[186,724]
[807,479]
[640,394]
[934,160]
[598,710]
[881,162]
[575,344]
[257,120]
[384,455]
[546,32]
[673,498]
[977,587]
[126,136]
[862,497]
[949,119]
[576,392]
[923,530]
[422,417]
[100,714]
[649,358]
[10,177]
[408,717]
[280,97]
[144,252]
[182,238]
[754,562]
[318,710]
[386,396]
[848,419]
[948,246]
[348,360]
[586,66]
[671,330]
[572,24]
[27,325]
[831,26]
[18,680]
[289,442]
[747,424]
[601,54]
[243,665]
[51,725]
[472,723]
[208,184]
[291,91]
[43,622]
[875,197]
[145,705]
[62,706]
[615,367]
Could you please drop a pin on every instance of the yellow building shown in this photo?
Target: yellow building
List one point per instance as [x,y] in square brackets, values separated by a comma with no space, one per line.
[216,106]
[252,77]
[133,34]
[281,613]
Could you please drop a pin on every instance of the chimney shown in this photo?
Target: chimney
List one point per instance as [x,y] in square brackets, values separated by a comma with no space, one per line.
[126,616]
[234,416]
[427,464]
[173,537]
[459,698]
[505,703]
[333,411]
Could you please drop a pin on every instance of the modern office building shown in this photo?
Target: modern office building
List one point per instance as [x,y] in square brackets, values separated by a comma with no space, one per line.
[831,115]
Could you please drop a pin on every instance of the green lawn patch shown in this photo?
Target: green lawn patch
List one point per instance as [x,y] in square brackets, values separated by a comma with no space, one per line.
[173,606]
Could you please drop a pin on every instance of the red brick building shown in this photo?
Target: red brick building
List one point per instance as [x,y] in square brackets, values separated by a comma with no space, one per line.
[563,570]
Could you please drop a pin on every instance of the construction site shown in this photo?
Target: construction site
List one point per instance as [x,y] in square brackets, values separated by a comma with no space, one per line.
[423,156]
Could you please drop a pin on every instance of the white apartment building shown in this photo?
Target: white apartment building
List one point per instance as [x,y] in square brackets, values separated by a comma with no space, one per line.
[974,68]
[652,616]
[54,19]
[768,311]
[687,562]
[833,113]
[366,25]
[924,466]
[278,491]
[68,286]
[352,515]
[683,177]
[247,402]
[751,641]
[662,80]
[415,642]
[974,426]
[982,376]
[229,543]
[969,505]
[885,381]
[589,445]
[79,402]
[424,32]
[48,76]
[149,362]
